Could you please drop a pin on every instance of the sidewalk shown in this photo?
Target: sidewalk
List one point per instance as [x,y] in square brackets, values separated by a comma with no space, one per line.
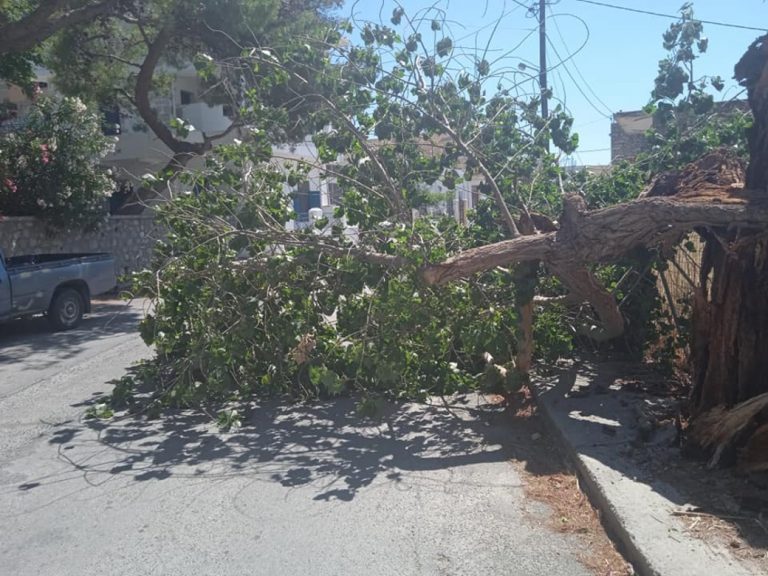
[599,425]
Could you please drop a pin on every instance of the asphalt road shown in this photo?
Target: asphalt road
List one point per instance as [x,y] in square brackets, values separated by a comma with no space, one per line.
[306,490]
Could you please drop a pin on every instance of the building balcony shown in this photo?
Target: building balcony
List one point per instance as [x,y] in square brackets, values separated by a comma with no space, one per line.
[209,120]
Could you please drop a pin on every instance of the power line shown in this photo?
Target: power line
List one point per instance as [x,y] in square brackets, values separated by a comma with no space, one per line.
[576,84]
[575,66]
[672,16]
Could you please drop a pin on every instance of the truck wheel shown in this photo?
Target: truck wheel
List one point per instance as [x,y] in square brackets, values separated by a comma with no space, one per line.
[66,310]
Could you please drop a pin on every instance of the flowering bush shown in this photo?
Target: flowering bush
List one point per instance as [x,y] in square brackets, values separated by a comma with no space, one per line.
[49,165]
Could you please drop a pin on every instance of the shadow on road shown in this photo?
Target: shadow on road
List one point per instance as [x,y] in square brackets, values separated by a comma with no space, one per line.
[326,445]
[32,344]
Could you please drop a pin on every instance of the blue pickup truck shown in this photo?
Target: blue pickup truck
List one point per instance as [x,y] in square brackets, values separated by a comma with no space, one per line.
[57,285]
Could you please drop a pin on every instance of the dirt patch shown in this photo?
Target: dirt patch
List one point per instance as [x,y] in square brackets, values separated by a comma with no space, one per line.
[572,513]
[548,479]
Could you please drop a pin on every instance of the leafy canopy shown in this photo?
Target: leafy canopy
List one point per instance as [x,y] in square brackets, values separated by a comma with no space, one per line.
[323,310]
[49,165]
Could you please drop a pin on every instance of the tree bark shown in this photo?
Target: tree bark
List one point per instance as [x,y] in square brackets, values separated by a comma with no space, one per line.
[585,238]
[730,351]
[50,17]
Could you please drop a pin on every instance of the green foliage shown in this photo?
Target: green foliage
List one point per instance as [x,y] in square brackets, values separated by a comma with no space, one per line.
[229,420]
[307,325]
[49,166]
[99,61]
[622,183]
[687,122]
[18,69]
[244,307]
[101,411]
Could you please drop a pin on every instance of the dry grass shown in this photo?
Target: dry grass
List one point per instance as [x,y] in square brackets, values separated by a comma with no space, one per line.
[718,531]
[548,480]
[573,514]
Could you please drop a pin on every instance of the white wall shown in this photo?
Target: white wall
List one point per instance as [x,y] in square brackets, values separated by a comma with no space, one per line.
[138,150]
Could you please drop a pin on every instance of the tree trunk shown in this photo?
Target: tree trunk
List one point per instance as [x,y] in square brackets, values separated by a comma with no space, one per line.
[730,348]
[51,16]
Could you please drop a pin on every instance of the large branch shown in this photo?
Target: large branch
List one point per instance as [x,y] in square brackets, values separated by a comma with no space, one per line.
[705,194]
[142,91]
[603,235]
[47,19]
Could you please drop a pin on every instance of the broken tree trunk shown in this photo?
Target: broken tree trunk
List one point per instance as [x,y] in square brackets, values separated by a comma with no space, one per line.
[731,309]
[722,430]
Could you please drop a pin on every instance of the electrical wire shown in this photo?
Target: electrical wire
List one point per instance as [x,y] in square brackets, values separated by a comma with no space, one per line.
[575,66]
[672,16]
[576,84]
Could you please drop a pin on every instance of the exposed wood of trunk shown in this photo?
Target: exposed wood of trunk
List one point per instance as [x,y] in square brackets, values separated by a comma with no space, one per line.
[730,351]
[720,429]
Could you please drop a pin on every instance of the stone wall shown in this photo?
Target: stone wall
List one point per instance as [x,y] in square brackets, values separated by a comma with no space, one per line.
[130,239]
[628,134]
[626,145]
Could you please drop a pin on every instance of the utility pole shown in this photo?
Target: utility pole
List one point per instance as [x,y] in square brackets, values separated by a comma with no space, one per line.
[543,60]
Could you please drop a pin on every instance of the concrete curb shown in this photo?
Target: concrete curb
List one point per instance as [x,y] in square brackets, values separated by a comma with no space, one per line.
[636,509]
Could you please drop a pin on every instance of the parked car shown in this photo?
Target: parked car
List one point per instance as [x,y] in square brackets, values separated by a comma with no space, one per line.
[57,285]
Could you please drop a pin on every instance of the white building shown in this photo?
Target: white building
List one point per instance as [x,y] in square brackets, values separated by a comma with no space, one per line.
[139,152]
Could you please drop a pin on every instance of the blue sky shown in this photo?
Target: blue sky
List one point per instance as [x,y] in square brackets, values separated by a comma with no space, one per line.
[620,50]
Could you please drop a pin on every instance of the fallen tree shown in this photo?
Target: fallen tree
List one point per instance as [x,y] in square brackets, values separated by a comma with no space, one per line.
[709,193]
[419,305]
[731,329]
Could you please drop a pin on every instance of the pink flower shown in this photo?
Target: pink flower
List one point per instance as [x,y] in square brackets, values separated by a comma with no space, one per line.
[10,185]
[46,155]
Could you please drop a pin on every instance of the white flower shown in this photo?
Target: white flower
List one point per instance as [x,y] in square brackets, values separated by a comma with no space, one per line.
[80,106]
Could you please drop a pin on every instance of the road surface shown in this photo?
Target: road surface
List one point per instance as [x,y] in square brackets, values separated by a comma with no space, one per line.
[306,490]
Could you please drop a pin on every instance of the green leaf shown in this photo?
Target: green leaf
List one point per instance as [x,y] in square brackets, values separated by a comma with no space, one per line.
[444,47]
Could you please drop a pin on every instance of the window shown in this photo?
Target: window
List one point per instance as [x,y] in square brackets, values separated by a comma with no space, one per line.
[334,194]
[301,202]
[315,199]
[110,124]
[187,97]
